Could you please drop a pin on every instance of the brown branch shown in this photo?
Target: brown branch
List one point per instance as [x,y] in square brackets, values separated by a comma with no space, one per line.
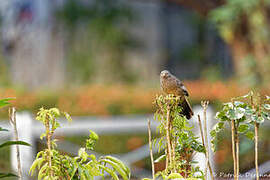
[168,135]
[233,149]
[256,150]
[151,150]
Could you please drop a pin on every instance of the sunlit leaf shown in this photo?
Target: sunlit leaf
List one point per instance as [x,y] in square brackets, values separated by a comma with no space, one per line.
[250,135]
[160,158]
[243,128]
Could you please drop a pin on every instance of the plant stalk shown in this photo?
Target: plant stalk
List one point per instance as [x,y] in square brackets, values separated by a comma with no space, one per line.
[151,150]
[208,164]
[256,149]
[13,121]
[168,136]
[237,153]
[233,149]
[48,133]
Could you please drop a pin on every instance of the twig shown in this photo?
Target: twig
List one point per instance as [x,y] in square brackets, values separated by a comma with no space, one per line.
[256,150]
[49,135]
[173,155]
[237,152]
[151,150]
[233,149]
[168,136]
[202,136]
[256,129]
[205,106]
[12,119]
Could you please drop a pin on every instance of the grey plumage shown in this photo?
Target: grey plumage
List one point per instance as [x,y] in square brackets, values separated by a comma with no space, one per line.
[172,85]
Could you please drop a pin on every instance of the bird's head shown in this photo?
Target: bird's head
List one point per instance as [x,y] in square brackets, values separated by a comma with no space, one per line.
[164,74]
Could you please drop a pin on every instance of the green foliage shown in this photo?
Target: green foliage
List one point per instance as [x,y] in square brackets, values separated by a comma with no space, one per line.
[247,21]
[244,110]
[103,32]
[180,132]
[51,164]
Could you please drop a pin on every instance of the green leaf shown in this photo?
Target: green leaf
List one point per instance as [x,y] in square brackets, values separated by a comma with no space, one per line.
[42,136]
[175,176]
[9,143]
[5,102]
[111,172]
[67,116]
[243,128]
[2,129]
[34,165]
[260,119]
[231,114]
[160,158]
[250,135]
[93,135]
[116,167]
[239,112]
[120,163]
[267,106]
[5,175]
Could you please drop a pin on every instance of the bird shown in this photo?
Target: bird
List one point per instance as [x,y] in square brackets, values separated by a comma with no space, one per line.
[172,85]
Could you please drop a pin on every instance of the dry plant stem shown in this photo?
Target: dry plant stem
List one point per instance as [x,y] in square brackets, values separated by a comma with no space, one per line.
[168,136]
[167,158]
[202,136]
[256,149]
[256,125]
[233,149]
[173,156]
[151,150]
[237,153]
[205,106]
[48,132]
[12,118]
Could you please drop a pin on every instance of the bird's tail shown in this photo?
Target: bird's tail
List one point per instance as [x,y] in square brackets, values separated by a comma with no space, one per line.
[186,109]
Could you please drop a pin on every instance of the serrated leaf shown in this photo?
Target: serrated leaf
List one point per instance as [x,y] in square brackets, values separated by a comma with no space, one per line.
[9,143]
[250,135]
[243,128]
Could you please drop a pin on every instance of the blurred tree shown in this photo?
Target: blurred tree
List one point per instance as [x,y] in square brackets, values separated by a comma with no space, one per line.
[244,25]
[100,43]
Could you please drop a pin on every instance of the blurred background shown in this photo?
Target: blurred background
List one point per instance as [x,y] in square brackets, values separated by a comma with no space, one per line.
[102,58]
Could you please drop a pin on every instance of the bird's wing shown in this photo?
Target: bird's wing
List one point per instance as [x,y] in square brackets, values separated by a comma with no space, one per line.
[183,88]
